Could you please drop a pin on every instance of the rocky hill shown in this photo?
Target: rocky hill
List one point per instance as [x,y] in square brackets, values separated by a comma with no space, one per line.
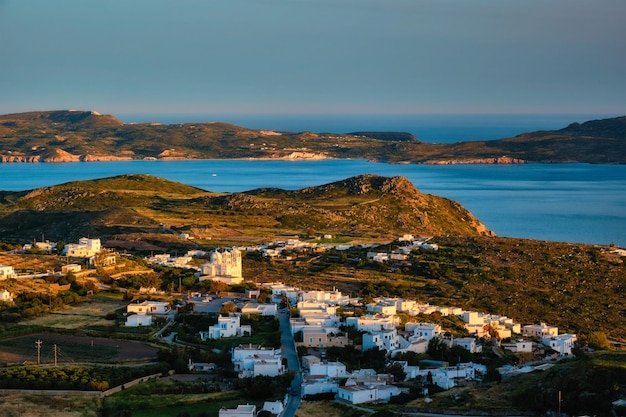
[366,206]
[71,135]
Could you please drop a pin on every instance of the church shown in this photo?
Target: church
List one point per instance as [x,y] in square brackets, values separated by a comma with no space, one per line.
[224,266]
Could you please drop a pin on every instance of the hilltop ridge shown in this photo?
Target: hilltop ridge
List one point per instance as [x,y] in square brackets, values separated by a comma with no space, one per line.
[367,206]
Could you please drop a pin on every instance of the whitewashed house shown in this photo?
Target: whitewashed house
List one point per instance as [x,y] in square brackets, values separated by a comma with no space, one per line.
[386,339]
[85,248]
[71,268]
[314,385]
[149,307]
[359,394]
[252,360]
[247,410]
[373,323]
[6,272]
[274,407]
[329,369]
[6,296]
[425,331]
[518,346]
[136,320]
[387,308]
[468,343]
[226,327]
[562,343]
[539,330]
[265,310]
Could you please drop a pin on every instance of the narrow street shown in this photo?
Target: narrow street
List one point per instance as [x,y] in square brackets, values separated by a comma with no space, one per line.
[288,349]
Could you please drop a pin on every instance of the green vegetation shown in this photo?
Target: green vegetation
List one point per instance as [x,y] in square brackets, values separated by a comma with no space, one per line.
[72,378]
[170,398]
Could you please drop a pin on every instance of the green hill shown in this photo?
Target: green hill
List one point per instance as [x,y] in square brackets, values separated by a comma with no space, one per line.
[362,207]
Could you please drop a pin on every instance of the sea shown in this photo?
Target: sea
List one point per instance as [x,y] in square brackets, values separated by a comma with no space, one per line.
[579,203]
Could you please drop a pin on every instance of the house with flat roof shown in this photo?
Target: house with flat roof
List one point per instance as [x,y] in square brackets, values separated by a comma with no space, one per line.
[248,410]
[149,307]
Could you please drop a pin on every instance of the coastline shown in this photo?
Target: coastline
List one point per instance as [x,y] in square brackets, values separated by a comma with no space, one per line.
[293,156]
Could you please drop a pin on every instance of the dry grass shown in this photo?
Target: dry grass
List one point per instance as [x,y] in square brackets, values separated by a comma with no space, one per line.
[89,313]
[40,405]
[327,409]
[35,263]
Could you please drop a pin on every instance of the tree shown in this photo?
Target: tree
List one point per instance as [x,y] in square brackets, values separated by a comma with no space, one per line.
[598,341]
[438,349]
[396,370]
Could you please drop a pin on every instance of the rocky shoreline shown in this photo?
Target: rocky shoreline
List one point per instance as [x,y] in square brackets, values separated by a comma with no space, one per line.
[66,157]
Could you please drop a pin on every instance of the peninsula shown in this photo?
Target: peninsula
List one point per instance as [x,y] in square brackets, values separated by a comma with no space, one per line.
[73,136]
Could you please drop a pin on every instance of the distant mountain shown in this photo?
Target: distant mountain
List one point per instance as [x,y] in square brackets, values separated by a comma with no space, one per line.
[366,206]
[71,135]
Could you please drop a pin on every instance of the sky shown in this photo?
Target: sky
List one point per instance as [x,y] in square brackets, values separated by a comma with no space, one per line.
[314,56]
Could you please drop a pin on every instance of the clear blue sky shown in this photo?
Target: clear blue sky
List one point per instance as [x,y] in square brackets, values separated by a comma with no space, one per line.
[314,56]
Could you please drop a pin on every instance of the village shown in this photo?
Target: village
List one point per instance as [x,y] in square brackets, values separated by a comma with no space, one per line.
[321,321]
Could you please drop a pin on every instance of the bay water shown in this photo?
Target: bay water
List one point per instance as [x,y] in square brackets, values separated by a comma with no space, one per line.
[559,202]
[431,128]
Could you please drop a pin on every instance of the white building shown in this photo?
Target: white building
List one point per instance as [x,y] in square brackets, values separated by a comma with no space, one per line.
[6,296]
[226,327]
[136,320]
[274,407]
[468,343]
[328,369]
[313,385]
[241,411]
[85,248]
[329,297]
[386,339]
[6,272]
[539,330]
[224,266]
[251,360]
[373,323]
[280,290]
[359,394]
[425,331]
[71,268]
[388,308]
[562,343]
[149,307]
[265,310]
[518,346]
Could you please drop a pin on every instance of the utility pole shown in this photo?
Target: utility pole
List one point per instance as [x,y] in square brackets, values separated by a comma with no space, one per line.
[38,343]
[55,354]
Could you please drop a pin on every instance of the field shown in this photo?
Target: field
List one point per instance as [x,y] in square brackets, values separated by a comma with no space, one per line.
[158,399]
[72,349]
[15,405]
[328,409]
[86,314]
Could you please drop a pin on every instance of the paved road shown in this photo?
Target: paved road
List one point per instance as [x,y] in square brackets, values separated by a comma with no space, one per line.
[288,349]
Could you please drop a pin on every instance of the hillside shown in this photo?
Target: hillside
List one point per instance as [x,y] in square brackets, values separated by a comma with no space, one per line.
[361,207]
[71,135]
[575,287]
